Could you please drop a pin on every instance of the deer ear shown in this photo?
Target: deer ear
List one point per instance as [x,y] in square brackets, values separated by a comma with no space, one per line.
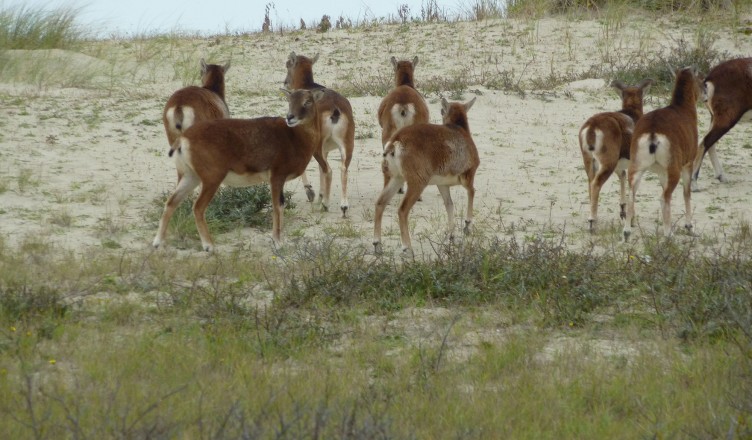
[394,62]
[317,94]
[292,57]
[315,58]
[645,84]
[469,104]
[226,67]
[415,61]
[444,105]
[204,67]
[618,84]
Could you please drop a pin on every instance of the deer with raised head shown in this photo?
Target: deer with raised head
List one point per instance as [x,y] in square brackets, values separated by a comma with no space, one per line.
[244,152]
[604,144]
[337,127]
[193,104]
[403,105]
[665,142]
[429,154]
[727,91]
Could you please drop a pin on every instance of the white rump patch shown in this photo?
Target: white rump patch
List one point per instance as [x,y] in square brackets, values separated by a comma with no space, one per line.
[189,117]
[598,141]
[403,121]
[394,162]
[662,155]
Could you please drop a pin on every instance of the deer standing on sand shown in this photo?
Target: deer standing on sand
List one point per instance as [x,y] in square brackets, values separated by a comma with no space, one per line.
[403,105]
[244,152]
[429,154]
[665,142]
[604,143]
[337,127]
[193,104]
[727,91]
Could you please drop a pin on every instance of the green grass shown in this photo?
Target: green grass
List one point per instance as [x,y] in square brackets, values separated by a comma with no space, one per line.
[470,342]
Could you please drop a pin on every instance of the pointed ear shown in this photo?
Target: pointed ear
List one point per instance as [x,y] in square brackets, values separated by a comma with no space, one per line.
[618,85]
[314,59]
[415,61]
[645,84]
[203,66]
[444,105]
[317,94]
[469,104]
[394,62]
[226,67]
[292,57]
[672,71]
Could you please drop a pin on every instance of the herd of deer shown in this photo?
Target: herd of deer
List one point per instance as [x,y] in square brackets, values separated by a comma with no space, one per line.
[211,149]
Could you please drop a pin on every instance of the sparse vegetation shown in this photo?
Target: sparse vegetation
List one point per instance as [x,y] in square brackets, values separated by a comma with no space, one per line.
[524,329]
[231,208]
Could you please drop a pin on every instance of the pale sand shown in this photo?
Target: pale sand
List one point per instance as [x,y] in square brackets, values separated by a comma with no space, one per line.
[99,155]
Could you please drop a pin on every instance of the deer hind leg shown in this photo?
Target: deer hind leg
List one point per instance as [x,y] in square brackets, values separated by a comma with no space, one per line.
[668,183]
[599,179]
[449,206]
[325,180]
[467,182]
[686,177]
[634,180]
[346,154]
[707,145]
[386,195]
[186,185]
[414,189]
[277,194]
[208,190]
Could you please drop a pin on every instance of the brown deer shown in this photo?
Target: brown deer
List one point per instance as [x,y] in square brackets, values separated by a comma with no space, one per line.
[665,142]
[244,152]
[337,127]
[429,154]
[727,91]
[604,144]
[403,105]
[193,104]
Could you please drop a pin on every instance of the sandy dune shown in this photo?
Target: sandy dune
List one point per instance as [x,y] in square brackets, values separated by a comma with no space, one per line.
[81,160]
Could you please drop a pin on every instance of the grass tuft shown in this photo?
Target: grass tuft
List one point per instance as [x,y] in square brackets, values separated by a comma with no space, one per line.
[231,208]
[23,27]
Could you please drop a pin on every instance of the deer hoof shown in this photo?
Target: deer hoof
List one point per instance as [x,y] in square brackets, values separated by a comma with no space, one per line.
[310,193]
[377,249]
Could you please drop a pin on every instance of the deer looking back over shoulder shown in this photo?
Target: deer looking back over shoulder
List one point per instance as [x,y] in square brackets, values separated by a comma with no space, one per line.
[244,152]
[430,154]
[337,127]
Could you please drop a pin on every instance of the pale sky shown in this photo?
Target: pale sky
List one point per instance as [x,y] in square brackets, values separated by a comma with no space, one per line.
[107,17]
